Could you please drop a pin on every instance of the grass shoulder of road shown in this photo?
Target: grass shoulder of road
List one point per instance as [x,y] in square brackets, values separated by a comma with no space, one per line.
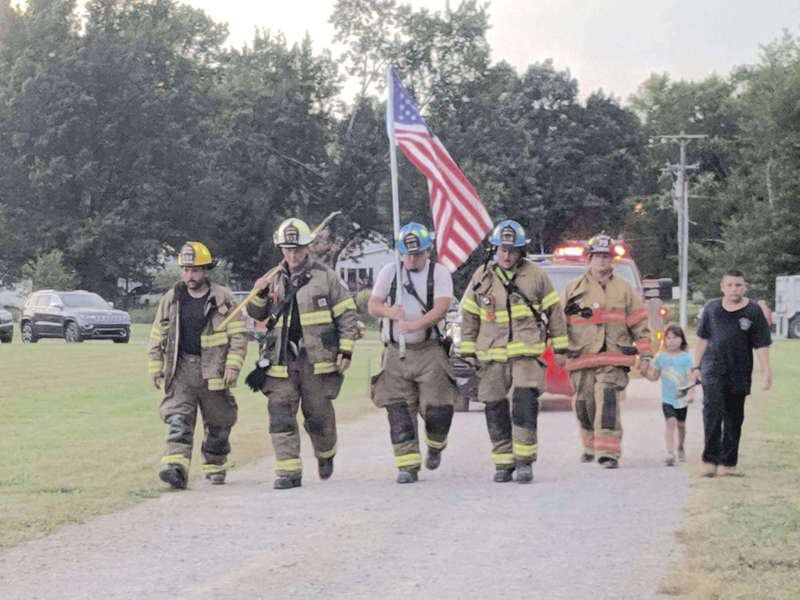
[80,433]
[742,534]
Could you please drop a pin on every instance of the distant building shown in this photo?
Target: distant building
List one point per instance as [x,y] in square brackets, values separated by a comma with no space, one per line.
[359,266]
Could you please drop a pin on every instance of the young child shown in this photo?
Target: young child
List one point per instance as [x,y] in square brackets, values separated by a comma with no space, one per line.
[673,365]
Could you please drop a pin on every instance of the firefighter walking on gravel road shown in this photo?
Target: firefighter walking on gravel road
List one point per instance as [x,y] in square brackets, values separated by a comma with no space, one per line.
[607,328]
[196,366]
[312,329]
[509,312]
[421,380]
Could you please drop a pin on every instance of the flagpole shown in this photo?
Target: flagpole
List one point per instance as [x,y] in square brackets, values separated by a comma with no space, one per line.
[395,194]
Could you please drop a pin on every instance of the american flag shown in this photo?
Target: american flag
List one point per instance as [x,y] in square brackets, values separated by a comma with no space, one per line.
[459,217]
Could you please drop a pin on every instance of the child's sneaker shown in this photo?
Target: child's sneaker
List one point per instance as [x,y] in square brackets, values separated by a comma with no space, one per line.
[670,460]
[681,455]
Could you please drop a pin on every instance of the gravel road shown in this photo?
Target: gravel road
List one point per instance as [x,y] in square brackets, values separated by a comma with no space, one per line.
[579,531]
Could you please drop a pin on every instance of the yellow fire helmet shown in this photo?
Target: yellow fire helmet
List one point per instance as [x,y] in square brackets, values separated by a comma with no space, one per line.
[195,254]
[292,233]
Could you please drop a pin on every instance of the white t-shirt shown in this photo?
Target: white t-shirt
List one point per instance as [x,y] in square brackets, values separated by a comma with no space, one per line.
[442,288]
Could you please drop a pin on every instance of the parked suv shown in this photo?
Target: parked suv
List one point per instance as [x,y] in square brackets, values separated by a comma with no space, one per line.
[75,316]
[6,326]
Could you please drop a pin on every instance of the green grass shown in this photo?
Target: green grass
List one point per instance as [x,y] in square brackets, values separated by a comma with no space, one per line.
[80,433]
[743,534]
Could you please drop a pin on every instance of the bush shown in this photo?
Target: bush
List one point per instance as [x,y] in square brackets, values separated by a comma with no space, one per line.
[48,271]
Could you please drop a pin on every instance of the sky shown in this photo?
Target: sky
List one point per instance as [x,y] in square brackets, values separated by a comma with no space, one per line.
[610,44]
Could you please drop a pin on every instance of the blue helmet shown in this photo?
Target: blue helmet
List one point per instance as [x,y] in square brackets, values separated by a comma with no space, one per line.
[508,233]
[414,238]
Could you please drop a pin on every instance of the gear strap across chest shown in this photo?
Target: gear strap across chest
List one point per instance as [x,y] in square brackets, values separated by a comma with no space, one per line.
[426,306]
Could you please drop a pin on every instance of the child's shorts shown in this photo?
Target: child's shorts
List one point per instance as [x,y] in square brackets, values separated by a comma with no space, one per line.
[671,411]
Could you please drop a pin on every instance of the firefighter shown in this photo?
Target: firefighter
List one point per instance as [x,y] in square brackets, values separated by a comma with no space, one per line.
[607,328]
[312,328]
[196,366]
[419,381]
[509,312]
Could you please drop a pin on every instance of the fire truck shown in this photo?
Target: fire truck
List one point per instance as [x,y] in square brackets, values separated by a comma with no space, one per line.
[567,262]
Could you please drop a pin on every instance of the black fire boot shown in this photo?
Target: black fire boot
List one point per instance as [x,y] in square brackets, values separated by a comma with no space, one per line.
[608,462]
[434,459]
[285,482]
[325,467]
[407,475]
[174,475]
[587,458]
[524,472]
[503,475]
[216,478]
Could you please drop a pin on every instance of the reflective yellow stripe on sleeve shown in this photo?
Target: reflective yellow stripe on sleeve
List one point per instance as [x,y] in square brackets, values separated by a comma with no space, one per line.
[347,345]
[322,368]
[466,348]
[213,339]
[216,384]
[346,304]
[234,361]
[235,327]
[470,306]
[280,371]
[550,300]
[318,317]
[560,342]
[155,366]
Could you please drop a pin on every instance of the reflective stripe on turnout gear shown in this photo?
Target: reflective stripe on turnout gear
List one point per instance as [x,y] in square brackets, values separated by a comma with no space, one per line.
[408,460]
[175,459]
[600,359]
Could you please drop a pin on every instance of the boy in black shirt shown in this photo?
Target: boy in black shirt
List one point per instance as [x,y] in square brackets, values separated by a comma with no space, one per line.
[730,329]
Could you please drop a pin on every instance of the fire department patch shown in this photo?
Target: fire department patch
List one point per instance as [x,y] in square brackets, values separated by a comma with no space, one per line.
[291,234]
[745,324]
[320,302]
[412,243]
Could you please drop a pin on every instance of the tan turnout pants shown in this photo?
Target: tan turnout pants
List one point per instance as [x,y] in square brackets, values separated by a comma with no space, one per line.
[188,391]
[314,395]
[598,392]
[510,391]
[421,384]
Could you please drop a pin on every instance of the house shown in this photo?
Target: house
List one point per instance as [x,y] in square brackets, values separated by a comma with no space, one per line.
[359,266]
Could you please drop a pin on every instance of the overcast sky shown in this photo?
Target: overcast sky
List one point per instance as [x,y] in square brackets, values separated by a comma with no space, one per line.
[610,44]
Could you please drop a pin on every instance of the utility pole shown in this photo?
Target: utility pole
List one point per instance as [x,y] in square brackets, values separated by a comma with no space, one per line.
[682,208]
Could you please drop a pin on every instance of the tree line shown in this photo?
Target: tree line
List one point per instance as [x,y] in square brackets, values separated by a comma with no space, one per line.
[132,127]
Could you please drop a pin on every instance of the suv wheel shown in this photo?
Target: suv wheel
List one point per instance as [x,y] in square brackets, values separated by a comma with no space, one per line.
[71,333]
[26,332]
[6,339]
[123,340]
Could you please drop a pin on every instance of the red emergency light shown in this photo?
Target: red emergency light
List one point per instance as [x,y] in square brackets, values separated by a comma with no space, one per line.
[570,251]
[663,311]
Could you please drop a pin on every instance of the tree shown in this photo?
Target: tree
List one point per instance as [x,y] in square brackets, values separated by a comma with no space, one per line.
[49,272]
